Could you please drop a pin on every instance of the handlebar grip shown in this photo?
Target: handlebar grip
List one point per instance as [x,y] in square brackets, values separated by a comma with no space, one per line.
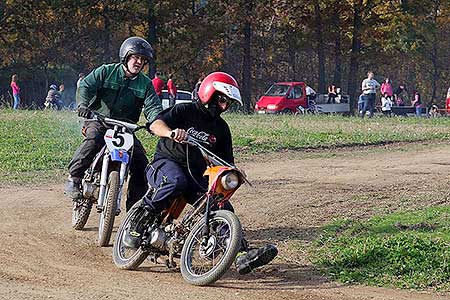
[172,135]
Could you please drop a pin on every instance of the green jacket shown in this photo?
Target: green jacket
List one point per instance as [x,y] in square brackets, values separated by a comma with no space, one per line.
[107,91]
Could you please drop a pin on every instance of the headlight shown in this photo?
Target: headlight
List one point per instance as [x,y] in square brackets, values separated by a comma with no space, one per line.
[230,180]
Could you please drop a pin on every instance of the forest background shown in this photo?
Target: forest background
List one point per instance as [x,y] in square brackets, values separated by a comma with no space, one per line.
[259,42]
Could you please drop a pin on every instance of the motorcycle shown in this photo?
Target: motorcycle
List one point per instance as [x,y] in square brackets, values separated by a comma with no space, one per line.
[207,238]
[104,179]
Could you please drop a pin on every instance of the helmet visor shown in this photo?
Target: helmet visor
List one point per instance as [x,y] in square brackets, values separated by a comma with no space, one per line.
[229,90]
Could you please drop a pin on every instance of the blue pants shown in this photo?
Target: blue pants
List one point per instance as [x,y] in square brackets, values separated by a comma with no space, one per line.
[369,105]
[418,111]
[16,101]
[170,180]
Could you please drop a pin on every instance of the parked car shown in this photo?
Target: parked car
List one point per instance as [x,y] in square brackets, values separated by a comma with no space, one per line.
[290,97]
[182,97]
[283,97]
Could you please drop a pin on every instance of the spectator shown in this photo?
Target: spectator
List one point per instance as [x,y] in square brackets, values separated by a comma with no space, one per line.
[447,102]
[361,101]
[332,94]
[310,93]
[386,88]
[434,111]
[399,95]
[63,95]
[386,104]
[369,88]
[417,103]
[16,91]
[158,84]
[80,77]
[171,90]
[53,98]
[338,95]
[196,87]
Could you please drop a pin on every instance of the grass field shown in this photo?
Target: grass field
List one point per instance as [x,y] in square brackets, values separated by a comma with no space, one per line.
[39,144]
[405,250]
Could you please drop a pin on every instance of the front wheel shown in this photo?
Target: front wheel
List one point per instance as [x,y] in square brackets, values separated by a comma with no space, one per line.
[204,262]
[123,257]
[109,209]
[80,213]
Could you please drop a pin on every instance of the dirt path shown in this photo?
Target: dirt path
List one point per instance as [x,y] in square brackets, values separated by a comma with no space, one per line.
[41,257]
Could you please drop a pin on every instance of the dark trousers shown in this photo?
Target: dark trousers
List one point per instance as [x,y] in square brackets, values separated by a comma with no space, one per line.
[170,180]
[93,143]
[369,105]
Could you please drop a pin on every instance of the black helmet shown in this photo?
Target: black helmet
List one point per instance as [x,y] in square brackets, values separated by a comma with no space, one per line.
[135,45]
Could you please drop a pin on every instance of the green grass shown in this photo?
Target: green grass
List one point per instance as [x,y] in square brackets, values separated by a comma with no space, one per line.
[405,250]
[39,144]
[261,133]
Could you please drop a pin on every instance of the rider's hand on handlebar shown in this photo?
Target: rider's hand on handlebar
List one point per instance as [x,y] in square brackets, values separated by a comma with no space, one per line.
[178,135]
[85,112]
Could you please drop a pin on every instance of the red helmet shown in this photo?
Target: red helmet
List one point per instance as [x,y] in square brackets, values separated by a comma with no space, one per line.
[219,82]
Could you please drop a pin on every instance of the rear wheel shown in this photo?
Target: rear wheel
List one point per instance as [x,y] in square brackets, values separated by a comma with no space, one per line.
[204,264]
[109,209]
[80,213]
[123,257]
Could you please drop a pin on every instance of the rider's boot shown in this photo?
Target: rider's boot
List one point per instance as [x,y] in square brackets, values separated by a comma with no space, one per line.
[248,261]
[133,235]
[72,188]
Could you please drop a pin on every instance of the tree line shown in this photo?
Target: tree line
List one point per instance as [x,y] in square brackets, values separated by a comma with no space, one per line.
[259,42]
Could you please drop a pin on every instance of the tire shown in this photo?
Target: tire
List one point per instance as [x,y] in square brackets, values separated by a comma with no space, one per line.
[80,214]
[232,245]
[286,111]
[108,213]
[137,257]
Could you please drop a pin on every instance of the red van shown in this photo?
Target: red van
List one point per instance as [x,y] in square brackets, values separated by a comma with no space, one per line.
[283,97]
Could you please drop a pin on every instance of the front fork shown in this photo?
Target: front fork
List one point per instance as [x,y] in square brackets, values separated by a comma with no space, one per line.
[205,232]
[104,181]
[122,177]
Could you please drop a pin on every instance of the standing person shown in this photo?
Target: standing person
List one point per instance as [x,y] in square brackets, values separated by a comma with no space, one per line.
[63,95]
[16,91]
[386,105]
[171,90]
[119,91]
[196,88]
[332,93]
[369,88]
[174,172]
[361,101]
[310,93]
[80,77]
[158,84]
[386,88]
[447,101]
[417,103]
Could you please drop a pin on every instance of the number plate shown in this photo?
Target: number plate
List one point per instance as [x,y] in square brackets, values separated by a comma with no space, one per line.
[118,140]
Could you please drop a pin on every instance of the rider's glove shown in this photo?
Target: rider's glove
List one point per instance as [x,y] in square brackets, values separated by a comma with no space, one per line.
[85,112]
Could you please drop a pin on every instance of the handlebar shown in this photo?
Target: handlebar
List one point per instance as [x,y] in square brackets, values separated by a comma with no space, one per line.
[112,122]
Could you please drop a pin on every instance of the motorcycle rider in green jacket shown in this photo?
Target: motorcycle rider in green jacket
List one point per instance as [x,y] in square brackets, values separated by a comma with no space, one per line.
[118,91]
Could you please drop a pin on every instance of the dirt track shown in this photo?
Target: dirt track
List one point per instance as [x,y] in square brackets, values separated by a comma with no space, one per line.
[41,257]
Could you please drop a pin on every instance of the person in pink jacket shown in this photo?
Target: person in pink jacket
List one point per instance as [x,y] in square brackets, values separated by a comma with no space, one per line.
[386,88]
[16,91]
